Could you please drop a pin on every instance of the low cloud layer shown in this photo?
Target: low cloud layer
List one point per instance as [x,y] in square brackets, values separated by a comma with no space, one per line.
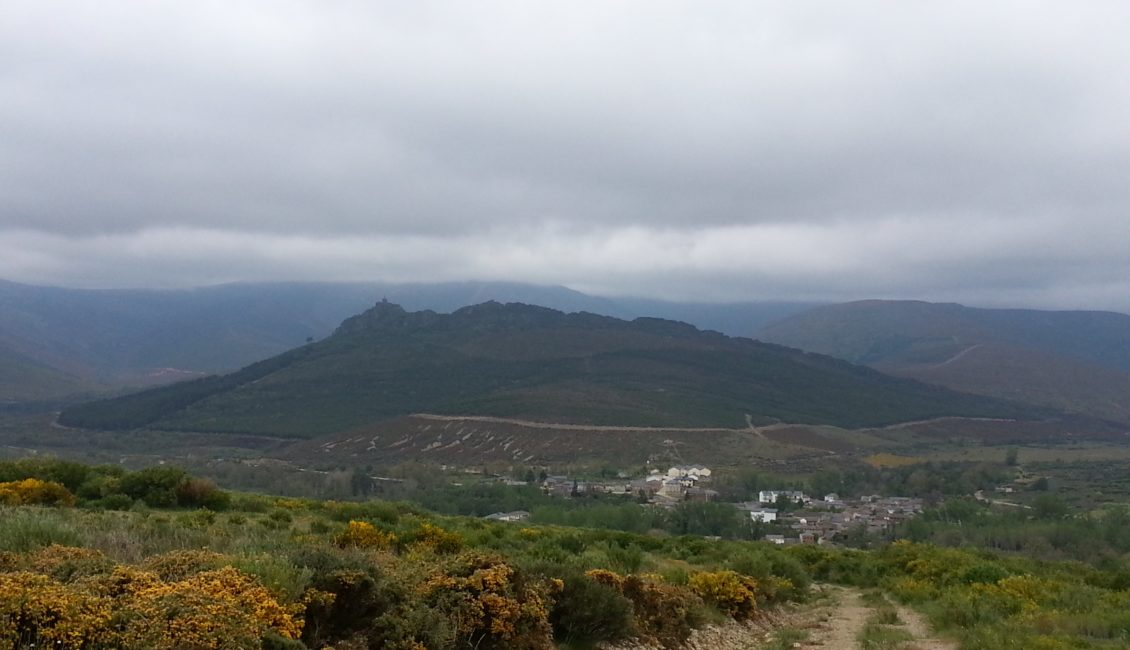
[740,151]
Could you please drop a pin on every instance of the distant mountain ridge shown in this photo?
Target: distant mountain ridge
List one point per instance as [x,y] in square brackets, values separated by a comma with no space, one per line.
[23,379]
[527,362]
[1074,360]
[56,342]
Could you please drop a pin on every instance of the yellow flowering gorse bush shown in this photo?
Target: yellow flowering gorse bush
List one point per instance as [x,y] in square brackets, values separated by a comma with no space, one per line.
[663,613]
[124,606]
[487,607]
[34,492]
[729,591]
[361,534]
[438,540]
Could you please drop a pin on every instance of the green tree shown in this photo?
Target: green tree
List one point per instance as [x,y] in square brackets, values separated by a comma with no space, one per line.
[1011,456]
[156,486]
[1050,506]
[360,483]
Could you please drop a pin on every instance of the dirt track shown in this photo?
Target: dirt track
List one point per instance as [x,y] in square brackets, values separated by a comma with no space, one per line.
[834,622]
[529,424]
[842,621]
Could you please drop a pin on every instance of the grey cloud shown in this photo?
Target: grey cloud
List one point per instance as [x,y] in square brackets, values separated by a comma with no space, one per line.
[735,150]
[893,259]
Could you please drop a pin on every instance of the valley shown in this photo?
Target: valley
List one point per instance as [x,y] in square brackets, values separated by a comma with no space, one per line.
[495,384]
[1074,361]
[438,437]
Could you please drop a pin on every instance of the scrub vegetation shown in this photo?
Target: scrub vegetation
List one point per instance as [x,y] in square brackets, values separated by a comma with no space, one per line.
[184,564]
[264,571]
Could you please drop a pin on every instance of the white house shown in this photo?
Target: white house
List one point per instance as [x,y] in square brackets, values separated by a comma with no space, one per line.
[517,515]
[771,496]
[763,515]
[694,472]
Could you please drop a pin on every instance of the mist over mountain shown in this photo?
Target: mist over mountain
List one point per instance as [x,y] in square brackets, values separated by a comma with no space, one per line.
[1074,360]
[56,342]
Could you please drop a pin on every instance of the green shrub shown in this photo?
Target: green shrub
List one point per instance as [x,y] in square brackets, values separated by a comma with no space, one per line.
[382,511]
[858,568]
[113,502]
[273,524]
[663,613]
[201,493]
[197,519]
[281,516]
[792,571]
[984,573]
[359,598]
[156,486]
[589,612]
[750,563]
[625,559]
[276,573]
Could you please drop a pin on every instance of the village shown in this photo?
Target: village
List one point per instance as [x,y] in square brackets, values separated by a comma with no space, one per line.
[809,520]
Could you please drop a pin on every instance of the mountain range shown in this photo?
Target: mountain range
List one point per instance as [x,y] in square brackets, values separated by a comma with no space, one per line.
[57,342]
[1073,360]
[534,364]
[73,344]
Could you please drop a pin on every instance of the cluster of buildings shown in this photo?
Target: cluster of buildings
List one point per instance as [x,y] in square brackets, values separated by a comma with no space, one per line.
[818,521]
[811,520]
[678,483]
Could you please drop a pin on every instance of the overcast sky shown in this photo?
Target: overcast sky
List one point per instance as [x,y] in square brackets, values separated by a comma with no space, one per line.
[968,151]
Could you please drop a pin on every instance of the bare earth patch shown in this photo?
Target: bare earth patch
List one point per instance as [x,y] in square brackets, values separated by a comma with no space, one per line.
[843,623]
[848,615]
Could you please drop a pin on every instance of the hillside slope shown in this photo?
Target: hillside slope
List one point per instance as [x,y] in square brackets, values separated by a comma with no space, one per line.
[1078,361]
[25,380]
[532,363]
[112,338]
[119,333]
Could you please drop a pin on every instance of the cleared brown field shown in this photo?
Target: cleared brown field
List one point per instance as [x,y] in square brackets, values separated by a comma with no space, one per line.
[473,440]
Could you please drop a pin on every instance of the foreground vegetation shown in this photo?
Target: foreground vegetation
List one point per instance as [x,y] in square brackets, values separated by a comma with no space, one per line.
[291,573]
[181,563]
[987,601]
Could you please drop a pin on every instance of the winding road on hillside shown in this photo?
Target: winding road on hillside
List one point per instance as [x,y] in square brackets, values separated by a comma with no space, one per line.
[956,357]
[530,424]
